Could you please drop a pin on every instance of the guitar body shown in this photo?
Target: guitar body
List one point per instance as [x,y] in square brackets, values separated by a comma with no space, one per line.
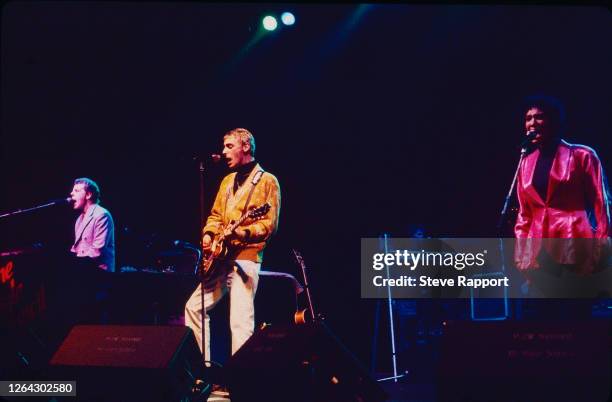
[218,250]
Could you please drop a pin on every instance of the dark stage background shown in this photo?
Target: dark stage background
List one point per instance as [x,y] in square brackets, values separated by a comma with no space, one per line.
[373,118]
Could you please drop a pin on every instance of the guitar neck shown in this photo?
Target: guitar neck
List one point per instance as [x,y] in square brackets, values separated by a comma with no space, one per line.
[238,223]
[254,213]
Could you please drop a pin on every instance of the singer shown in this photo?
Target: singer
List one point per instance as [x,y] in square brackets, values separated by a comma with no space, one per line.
[94,233]
[562,192]
[245,188]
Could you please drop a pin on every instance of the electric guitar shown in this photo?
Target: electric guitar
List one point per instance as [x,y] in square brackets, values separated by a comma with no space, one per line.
[218,249]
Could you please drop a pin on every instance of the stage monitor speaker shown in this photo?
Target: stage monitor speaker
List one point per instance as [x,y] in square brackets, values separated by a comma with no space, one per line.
[131,363]
[304,363]
[544,361]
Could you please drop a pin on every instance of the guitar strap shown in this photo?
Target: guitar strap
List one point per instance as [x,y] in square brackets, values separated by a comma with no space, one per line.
[256,179]
[226,261]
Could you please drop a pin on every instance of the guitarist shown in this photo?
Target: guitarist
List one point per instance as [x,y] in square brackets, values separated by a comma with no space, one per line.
[245,188]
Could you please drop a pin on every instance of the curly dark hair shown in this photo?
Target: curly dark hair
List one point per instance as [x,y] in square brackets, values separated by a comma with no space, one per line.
[552,107]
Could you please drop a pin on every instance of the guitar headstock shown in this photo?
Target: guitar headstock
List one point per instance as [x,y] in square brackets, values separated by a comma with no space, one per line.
[259,211]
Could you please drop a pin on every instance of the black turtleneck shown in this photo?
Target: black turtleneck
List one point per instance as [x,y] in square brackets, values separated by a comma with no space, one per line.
[541,174]
[242,173]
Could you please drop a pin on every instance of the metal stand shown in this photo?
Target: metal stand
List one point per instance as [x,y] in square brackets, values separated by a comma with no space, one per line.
[49,204]
[391,326]
[504,210]
[300,261]
[500,235]
[202,217]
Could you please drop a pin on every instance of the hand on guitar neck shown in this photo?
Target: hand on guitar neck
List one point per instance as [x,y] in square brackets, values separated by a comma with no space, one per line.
[237,233]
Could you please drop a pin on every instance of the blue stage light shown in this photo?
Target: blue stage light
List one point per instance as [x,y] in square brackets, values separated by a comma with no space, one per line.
[269,23]
[288,18]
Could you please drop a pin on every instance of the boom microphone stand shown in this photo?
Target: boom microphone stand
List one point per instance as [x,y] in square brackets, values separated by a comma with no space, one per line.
[49,204]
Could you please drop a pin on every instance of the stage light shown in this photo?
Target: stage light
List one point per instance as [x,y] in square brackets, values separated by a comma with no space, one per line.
[269,23]
[288,18]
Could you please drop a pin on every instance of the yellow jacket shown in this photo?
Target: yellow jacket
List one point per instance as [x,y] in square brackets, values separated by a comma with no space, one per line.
[229,207]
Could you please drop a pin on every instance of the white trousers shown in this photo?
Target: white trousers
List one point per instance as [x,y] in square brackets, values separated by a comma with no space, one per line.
[242,308]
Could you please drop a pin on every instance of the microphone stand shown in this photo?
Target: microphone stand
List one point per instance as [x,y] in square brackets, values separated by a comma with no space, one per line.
[21,211]
[202,217]
[525,145]
[201,387]
[395,375]
[504,210]
[500,224]
[215,158]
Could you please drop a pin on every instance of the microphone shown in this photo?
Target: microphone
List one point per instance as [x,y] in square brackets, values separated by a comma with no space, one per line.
[528,138]
[214,158]
[60,201]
